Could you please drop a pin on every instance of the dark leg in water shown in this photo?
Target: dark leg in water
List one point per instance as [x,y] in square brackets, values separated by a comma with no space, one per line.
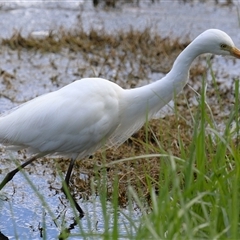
[65,188]
[11,174]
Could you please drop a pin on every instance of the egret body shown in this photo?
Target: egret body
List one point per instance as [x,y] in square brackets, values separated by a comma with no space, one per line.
[81,117]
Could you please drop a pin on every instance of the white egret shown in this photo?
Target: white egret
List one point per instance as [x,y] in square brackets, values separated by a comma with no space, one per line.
[79,118]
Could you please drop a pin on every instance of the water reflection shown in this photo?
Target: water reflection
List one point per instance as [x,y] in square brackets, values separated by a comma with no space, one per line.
[23,215]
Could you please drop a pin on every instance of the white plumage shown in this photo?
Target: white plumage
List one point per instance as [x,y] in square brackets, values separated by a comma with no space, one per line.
[71,120]
[86,114]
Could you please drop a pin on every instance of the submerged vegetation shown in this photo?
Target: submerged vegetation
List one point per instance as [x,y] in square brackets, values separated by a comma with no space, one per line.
[180,170]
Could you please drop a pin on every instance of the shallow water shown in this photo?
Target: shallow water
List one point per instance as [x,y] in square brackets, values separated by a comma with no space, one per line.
[24,213]
[23,216]
[30,75]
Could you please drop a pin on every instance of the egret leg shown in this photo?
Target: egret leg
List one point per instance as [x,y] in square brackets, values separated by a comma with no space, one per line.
[11,174]
[66,191]
[65,186]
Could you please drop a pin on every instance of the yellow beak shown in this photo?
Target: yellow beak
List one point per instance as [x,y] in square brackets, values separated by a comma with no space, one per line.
[235,52]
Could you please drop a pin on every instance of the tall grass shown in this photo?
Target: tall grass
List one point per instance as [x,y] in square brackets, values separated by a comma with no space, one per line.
[199,196]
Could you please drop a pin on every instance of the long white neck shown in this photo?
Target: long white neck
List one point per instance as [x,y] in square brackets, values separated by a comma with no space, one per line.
[178,76]
[151,98]
[137,105]
[143,103]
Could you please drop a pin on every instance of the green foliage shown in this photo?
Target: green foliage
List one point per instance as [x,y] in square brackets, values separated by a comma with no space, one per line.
[198,198]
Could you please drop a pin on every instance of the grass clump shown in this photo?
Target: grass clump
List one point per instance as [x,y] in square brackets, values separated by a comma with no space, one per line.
[125,51]
[198,198]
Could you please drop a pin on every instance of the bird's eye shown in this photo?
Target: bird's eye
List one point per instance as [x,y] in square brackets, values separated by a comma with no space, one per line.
[223,45]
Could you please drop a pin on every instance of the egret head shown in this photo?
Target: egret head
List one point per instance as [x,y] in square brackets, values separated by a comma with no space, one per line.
[217,42]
